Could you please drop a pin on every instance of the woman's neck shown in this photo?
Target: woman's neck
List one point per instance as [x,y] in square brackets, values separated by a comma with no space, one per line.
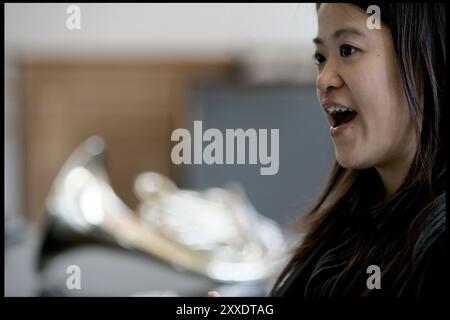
[393,173]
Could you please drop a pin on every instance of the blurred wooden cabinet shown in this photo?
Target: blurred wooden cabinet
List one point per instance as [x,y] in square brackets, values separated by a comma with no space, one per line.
[134,105]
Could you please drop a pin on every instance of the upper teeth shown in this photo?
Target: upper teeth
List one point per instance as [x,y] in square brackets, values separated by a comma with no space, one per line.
[335,109]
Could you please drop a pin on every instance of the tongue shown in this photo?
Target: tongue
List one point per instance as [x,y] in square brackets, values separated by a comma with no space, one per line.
[343,117]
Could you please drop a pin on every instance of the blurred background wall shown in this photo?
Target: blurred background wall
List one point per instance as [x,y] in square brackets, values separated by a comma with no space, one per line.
[123,32]
[152,68]
[148,28]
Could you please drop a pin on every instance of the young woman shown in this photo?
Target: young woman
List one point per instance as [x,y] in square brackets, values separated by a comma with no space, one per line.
[383,210]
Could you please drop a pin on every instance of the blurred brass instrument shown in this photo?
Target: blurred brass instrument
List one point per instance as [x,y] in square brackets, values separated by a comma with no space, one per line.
[215,232]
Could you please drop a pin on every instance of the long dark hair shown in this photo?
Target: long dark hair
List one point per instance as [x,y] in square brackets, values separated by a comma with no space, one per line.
[351,224]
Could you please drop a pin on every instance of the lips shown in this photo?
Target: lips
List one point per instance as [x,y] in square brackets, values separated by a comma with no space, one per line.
[339,115]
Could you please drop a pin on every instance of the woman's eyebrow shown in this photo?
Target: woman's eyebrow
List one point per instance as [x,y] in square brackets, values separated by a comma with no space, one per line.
[339,33]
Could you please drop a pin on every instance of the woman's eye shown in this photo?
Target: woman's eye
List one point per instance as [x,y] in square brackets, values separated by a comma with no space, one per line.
[347,50]
[318,58]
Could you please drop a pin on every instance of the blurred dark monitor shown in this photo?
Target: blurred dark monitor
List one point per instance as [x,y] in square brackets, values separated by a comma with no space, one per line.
[305,149]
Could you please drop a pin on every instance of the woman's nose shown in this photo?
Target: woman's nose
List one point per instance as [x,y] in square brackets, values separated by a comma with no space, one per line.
[328,79]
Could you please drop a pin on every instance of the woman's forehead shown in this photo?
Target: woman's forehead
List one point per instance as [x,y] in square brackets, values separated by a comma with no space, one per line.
[339,19]
[333,16]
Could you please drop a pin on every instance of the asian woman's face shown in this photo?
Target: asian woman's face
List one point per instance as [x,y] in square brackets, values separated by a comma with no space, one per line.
[359,86]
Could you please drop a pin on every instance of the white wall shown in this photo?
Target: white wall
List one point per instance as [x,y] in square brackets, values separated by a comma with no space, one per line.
[109,28]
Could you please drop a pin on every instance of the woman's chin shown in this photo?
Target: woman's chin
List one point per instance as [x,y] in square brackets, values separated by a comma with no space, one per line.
[349,162]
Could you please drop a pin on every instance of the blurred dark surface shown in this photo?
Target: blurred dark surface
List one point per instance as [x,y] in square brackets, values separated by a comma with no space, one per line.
[106,271]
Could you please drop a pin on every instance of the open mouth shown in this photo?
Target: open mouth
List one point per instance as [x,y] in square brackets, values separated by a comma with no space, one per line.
[341,115]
